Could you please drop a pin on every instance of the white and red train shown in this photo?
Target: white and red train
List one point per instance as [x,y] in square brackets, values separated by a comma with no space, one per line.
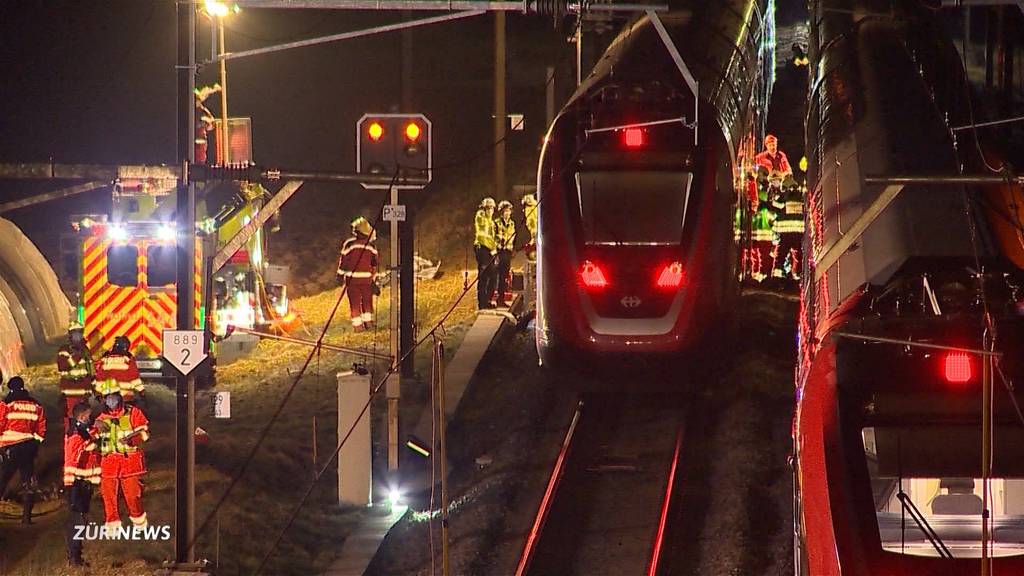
[888,428]
[638,183]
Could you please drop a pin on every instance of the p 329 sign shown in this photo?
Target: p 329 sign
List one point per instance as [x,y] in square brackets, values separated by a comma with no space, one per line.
[184,349]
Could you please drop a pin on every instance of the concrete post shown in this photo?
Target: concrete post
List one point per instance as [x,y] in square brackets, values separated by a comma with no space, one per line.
[354,459]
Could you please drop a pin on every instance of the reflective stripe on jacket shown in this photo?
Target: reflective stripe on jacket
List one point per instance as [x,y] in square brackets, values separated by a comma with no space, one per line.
[505,234]
[21,420]
[80,460]
[118,373]
[358,260]
[484,231]
[124,427]
[74,364]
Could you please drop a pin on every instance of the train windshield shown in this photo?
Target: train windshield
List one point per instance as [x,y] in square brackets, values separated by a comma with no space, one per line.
[632,207]
[928,494]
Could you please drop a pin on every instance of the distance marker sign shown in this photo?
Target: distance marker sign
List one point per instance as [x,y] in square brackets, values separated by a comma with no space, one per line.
[184,349]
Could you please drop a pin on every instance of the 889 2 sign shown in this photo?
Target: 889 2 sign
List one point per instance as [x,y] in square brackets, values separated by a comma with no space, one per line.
[184,349]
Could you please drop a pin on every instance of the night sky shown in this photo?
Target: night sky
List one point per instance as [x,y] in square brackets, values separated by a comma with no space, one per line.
[94,81]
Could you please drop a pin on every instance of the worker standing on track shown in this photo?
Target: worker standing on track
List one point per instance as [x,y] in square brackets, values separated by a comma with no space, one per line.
[357,267]
[117,372]
[486,248]
[81,472]
[121,429]
[22,429]
[505,240]
[74,364]
[530,219]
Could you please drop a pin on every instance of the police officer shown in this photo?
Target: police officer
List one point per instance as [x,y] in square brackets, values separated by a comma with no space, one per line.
[22,429]
[485,247]
[505,240]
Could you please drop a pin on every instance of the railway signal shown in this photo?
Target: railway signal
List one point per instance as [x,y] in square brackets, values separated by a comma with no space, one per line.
[397,145]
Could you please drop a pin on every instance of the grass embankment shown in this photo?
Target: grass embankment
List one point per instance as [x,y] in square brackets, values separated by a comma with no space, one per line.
[258,507]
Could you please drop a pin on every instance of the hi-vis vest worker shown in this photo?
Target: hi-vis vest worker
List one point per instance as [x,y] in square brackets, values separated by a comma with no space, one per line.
[530,217]
[357,267]
[74,365]
[121,429]
[116,371]
[484,226]
[485,247]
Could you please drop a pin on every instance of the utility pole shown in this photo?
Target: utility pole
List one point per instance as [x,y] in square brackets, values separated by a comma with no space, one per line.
[224,130]
[500,109]
[407,309]
[185,413]
[394,384]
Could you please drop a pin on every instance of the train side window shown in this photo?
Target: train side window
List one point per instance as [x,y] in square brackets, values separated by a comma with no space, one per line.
[161,269]
[123,265]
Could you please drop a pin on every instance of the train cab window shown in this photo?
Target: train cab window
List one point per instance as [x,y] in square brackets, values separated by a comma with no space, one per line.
[123,265]
[930,471]
[161,265]
[632,207]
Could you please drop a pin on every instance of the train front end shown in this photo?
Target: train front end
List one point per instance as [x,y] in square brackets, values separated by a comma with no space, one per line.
[634,252]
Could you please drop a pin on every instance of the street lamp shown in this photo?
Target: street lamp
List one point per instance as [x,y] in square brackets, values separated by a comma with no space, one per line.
[218,11]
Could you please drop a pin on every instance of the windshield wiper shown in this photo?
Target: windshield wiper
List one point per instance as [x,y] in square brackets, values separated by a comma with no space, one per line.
[923,524]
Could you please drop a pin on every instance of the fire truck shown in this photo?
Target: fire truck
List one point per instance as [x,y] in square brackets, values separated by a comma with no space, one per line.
[120,271]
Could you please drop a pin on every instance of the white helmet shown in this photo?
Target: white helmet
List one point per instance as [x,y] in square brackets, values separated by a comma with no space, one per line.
[529,200]
[487,202]
[503,205]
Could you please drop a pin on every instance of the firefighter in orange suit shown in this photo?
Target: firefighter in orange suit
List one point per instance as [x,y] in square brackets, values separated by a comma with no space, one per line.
[22,429]
[74,364]
[357,267]
[116,371]
[81,472]
[121,429]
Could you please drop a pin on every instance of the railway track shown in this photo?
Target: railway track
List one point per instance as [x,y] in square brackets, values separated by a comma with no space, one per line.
[607,501]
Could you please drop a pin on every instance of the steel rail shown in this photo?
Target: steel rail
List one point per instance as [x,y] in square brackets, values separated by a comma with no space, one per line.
[549,495]
[652,566]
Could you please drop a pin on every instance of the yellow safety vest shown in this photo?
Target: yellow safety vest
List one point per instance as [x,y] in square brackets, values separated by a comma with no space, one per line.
[484,231]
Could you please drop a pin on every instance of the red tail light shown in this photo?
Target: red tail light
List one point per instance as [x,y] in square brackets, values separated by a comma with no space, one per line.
[957,367]
[633,137]
[592,276]
[671,276]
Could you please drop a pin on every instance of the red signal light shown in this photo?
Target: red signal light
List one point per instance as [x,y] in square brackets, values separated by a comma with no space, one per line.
[412,131]
[592,276]
[375,131]
[633,137]
[671,276]
[957,367]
